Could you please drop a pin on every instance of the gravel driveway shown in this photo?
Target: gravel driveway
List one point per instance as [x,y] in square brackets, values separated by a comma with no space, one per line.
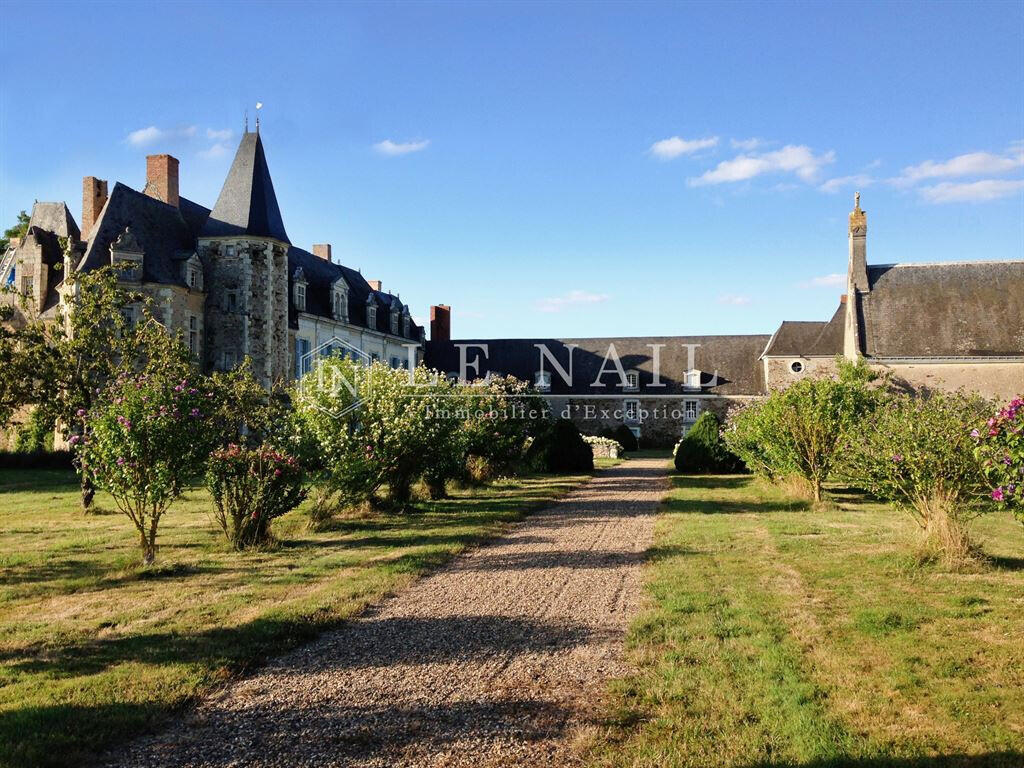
[493,660]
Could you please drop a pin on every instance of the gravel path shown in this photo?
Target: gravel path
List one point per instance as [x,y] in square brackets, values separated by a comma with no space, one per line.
[493,660]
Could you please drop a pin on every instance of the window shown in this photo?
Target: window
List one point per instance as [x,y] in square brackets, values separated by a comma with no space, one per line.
[128,315]
[374,357]
[30,285]
[340,308]
[396,362]
[300,297]
[690,410]
[371,317]
[405,325]
[631,410]
[193,278]
[394,322]
[229,359]
[231,301]
[692,379]
[542,381]
[632,380]
[193,335]
[229,250]
[303,361]
[796,366]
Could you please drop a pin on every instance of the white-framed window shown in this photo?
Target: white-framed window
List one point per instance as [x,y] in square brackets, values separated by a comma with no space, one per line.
[193,335]
[300,297]
[394,323]
[631,410]
[229,250]
[691,408]
[632,381]
[692,379]
[371,317]
[303,360]
[193,279]
[542,381]
[405,325]
[796,367]
[340,308]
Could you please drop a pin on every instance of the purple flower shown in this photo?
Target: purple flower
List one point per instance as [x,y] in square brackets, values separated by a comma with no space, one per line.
[975,433]
[74,439]
[80,412]
[120,461]
[897,458]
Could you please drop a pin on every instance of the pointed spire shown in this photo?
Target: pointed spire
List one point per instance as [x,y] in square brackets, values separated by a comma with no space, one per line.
[247,204]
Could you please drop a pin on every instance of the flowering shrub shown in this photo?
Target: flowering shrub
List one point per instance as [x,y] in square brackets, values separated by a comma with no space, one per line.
[801,430]
[375,429]
[147,435]
[999,446]
[917,453]
[250,487]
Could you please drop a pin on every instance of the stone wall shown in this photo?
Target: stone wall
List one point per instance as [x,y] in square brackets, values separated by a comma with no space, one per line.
[999,380]
[778,372]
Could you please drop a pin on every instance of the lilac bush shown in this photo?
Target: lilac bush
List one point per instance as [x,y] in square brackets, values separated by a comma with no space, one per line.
[1000,449]
[147,436]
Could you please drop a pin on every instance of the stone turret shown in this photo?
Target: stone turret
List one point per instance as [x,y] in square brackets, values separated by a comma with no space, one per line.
[857,280]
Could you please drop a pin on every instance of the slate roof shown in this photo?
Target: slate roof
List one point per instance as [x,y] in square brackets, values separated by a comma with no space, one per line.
[736,359]
[164,232]
[247,204]
[959,309]
[55,218]
[796,338]
[321,275]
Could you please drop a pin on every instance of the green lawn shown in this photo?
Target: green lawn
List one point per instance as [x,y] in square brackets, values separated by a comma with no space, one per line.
[94,648]
[777,634]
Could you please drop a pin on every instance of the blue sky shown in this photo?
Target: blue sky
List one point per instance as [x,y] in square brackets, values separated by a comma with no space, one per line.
[552,169]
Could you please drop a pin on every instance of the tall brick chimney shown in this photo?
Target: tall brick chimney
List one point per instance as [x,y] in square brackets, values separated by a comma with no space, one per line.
[323,251]
[441,323]
[162,178]
[376,285]
[94,197]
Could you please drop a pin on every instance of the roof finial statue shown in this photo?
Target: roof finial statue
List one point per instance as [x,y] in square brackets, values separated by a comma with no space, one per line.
[247,121]
[856,201]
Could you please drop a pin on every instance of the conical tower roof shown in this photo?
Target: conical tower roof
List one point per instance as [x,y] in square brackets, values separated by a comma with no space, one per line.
[247,204]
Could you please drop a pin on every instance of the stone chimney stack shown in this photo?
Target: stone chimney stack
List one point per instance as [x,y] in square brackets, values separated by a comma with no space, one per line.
[376,285]
[323,251]
[441,323]
[94,197]
[162,178]
[858,274]
[856,281]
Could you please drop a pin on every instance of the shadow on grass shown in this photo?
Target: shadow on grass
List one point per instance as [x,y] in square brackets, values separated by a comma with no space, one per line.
[1008,759]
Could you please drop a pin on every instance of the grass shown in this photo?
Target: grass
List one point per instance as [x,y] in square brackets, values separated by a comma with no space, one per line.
[95,648]
[782,634]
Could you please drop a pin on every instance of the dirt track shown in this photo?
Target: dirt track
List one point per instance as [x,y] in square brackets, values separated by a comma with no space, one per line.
[493,660]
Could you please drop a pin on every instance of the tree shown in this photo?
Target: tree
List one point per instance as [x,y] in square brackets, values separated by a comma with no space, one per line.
[20,229]
[146,436]
[801,430]
[64,365]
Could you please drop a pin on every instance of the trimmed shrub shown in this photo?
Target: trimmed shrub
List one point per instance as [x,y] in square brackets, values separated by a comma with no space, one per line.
[560,449]
[625,437]
[250,487]
[702,451]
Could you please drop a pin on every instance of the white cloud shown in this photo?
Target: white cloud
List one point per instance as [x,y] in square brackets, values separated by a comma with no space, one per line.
[733,299]
[188,131]
[970,164]
[217,150]
[973,191]
[669,149]
[856,180]
[825,281]
[222,135]
[571,299]
[797,159]
[747,145]
[145,136]
[392,149]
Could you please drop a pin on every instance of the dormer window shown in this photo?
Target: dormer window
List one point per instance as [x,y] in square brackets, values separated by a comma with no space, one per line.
[126,256]
[394,321]
[339,303]
[632,381]
[371,317]
[542,381]
[193,273]
[300,297]
[405,323]
[692,379]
